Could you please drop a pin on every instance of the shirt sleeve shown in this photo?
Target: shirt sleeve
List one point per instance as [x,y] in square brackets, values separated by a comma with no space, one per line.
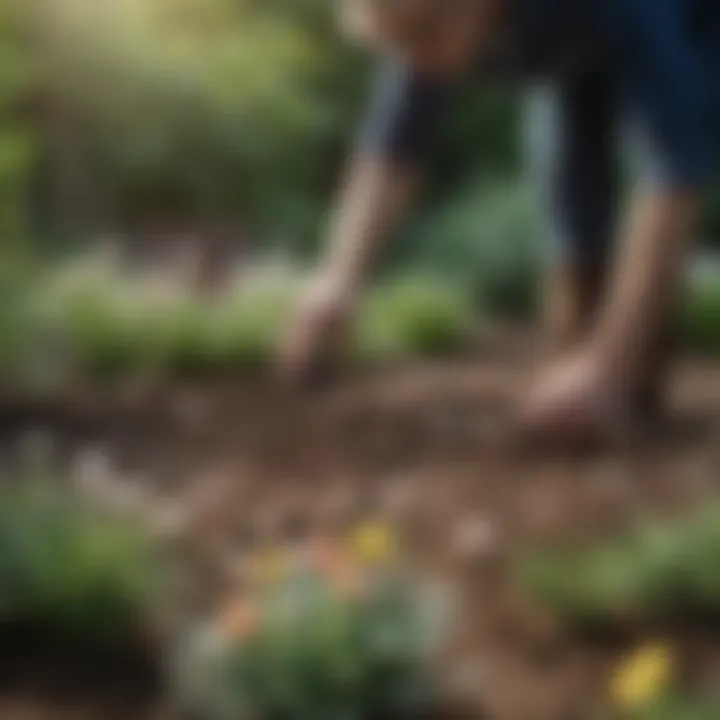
[668,93]
[405,114]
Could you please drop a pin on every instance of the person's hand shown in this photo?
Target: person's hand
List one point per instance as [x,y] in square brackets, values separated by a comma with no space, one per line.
[574,403]
[317,334]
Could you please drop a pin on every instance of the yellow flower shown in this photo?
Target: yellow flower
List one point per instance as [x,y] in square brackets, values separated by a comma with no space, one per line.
[641,677]
[374,543]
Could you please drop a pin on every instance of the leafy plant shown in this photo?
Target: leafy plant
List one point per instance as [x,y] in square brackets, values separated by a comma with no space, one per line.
[680,708]
[114,325]
[486,239]
[343,635]
[69,572]
[657,570]
[413,316]
[701,315]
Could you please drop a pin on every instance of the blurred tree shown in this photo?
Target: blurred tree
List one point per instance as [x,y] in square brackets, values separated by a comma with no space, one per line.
[196,108]
[195,112]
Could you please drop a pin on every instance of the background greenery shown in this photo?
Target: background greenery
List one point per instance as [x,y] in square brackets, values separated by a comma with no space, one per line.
[151,121]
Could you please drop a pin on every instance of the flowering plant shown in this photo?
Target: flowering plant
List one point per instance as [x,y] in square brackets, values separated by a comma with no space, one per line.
[336,630]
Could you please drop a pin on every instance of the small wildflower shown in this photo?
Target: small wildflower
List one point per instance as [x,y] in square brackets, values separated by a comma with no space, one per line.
[374,543]
[642,677]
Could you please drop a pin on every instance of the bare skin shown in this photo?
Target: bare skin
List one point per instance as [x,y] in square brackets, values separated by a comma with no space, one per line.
[376,198]
[587,394]
[377,193]
[583,395]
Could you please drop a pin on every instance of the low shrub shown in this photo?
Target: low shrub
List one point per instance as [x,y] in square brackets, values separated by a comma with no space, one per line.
[677,707]
[68,572]
[700,315]
[489,240]
[338,632]
[113,325]
[656,571]
[413,316]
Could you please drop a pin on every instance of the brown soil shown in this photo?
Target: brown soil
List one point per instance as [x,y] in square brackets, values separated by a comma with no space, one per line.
[423,446]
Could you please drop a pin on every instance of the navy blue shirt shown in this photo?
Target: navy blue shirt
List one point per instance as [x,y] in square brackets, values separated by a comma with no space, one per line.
[662,56]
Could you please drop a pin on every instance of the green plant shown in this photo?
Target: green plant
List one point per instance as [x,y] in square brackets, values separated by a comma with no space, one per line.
[112,325]
[488,240]
[701,315]
[677,707]
[657,570]
[413,316]
[323,642]
[68,572]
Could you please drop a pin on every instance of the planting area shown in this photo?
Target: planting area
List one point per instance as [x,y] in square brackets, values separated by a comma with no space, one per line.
[625,627]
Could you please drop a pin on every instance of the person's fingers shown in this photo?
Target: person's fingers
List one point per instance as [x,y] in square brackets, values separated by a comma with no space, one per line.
[295,355]
[291,349]
[306,345]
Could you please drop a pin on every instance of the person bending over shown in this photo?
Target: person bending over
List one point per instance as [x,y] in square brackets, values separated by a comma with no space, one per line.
[598,68]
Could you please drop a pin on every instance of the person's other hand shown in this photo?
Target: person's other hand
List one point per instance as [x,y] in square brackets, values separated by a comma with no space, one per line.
[317,334]
[574,402]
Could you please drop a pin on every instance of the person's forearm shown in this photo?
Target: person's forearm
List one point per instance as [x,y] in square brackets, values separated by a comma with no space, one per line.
[376,196]
[647,276]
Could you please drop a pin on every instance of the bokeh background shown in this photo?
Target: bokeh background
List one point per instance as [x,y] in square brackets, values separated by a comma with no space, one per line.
[166,169]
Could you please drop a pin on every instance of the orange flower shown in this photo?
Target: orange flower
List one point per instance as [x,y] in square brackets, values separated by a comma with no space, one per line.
[239,619]
[327,556]
[348,583]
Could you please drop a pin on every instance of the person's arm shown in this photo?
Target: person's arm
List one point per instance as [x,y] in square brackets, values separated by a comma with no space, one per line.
[667,95]
[380,185]
[385,170]
[375,198]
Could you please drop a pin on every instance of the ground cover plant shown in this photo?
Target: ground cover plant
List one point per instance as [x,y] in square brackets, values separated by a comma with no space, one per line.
[337,629]
[72,573]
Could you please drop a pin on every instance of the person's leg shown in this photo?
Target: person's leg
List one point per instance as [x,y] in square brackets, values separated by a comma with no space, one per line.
[571,128]
[657,358]
[573,133]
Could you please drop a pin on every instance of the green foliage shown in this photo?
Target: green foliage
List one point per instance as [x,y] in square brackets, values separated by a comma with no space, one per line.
[69,572]
[701,315]
[656,571]
[676,707]
[413,316]
[114,325]
[486,239]
[318,654]
[17,141]
[198,108]
[16,321]
[111,325]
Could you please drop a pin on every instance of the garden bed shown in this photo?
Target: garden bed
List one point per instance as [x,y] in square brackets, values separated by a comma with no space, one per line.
[235,464]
